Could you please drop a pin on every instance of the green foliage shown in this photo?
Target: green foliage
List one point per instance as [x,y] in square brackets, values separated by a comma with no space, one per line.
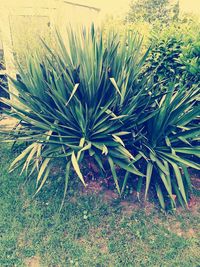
[169,137]
[153,10]
[163,60]
[86,101]
[190,61]
[175,52]
[173,59]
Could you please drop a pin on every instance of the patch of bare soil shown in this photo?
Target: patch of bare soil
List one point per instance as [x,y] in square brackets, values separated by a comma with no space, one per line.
[32,262]
[104,187]
[93,187]
[56,170]
[95,237]
[195,178]
[149,208]
[196,182]
[194,205]
[128,207]
[175,227]
[109,195]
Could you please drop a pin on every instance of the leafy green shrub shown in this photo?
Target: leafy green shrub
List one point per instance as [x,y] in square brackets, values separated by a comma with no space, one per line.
[189,60]
[174,59]
[85,101]
[153,11]
[163,60]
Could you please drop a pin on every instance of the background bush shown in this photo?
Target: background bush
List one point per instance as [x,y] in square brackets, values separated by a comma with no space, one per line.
[172,60]
[175,54]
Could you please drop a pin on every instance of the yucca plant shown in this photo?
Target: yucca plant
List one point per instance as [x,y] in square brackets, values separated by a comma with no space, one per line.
[79,101]
[170,145]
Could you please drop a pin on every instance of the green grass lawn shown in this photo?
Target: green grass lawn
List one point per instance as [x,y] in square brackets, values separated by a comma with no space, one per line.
[91,230]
